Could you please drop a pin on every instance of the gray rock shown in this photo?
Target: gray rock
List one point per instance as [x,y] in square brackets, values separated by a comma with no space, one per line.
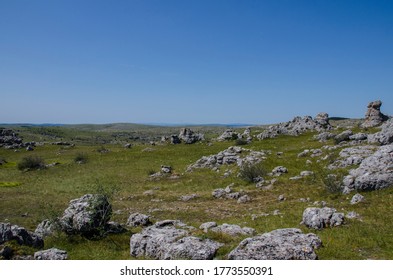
[10,232]
[227,135]
[51,254]
[358,136]
[306,173]
[45,228]
[319,218]
[166,169]
[138,219]
[373,116]
[188,197]
[279,170]
[324,136]
[232,230]
[357,198]
[385,136]
[189,137]
[281,197]
[86,215]
[352,215]
[280,244]
[169,240]
[244,199]
[208,225]
[343,136]
[352,156]
[374,173]
[114,228]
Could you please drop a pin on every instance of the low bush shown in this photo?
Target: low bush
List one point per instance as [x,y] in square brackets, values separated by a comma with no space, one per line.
[252,172]
[81,158]
[31,163]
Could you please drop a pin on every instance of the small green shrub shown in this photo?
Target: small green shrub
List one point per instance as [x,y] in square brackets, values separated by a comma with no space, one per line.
[240,142]
[81,158]
[252,172]
[31,163]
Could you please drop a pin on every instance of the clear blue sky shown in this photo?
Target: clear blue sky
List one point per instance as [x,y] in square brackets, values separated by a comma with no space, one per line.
[193,61]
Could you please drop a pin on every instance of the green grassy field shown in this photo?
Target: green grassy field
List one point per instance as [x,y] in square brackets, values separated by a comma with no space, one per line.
[27,198]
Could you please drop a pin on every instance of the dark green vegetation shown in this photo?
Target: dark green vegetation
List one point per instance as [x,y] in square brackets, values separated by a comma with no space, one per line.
[27,198]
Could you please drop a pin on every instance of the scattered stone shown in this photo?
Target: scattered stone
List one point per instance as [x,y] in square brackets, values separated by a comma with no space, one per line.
[279,170]
[244,199]
[374,173]
[166,169]
[206,226]
[280,244]
[87,215]
[306,173]
[188,197]
[128,146]
[138,219]
[352,215]
[29,148]
[357,198]
[232,230]
[149,193]
[373,116]
[189,137]
[319,218]
[169,240]
[226,193]
[324,136]
[51,254]
[276,212]
[281,197]
[304,153]
[10,232]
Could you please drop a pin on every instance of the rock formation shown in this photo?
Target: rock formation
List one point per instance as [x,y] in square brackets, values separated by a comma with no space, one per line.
[280,244]
[189,137]
[373,116]
[319,218]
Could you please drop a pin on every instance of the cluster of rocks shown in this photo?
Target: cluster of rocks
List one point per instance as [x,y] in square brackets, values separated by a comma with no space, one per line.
[303,174]
[319,218]
[9,139]
[228,193]
[232,155]
[169,240]
[186,135]
[228,135]
[352,156]
[280,244]
[297,126]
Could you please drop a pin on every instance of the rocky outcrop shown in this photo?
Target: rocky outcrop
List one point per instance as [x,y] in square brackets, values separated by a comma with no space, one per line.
[279,170]
[170,240]
[343,136]
[10,232]
[373,116]
[45,228]
[297,126]
[385,136]
[319,218]
[352,156]
[232,155]
[9,139]
[87,215]
[228,135]
[280,244]
[232,230]
[174,139]
[374,173]
[227,193]
[189,137]
[357,198]
[51,254]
